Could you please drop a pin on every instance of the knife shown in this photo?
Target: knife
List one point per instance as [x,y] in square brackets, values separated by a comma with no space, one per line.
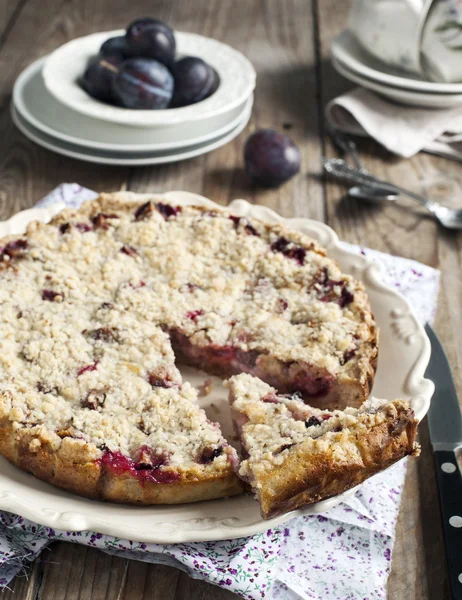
[445,426]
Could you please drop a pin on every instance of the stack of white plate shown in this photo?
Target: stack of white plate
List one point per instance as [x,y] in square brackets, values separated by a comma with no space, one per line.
[351,61]
[51,109]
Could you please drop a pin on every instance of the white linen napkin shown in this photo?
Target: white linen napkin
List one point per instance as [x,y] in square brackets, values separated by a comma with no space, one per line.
[343,554]
[403,130]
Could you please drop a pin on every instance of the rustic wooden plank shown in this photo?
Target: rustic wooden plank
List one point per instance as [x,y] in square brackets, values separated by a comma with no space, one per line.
[10,11]
[73,571]
[418,568]
[292,87]
[146,581]
[193,588]
[391,228]
[26,584]
[276,37]
[41,28]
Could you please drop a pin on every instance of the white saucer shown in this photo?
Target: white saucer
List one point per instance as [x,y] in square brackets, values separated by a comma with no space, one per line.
[40,109]
[403,96]
[65,66]
[81,152]
[347,51]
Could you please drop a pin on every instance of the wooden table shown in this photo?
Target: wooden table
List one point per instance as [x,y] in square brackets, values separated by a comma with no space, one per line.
[288,41]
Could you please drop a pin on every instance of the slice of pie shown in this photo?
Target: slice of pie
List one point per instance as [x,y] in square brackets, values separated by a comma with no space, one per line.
[101,409]
[97,305]
[295,455]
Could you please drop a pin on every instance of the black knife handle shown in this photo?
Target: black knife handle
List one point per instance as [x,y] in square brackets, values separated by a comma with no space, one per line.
[450,489]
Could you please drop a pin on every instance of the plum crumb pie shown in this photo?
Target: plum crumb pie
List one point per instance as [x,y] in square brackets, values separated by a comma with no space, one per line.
[97,304]
[295,454]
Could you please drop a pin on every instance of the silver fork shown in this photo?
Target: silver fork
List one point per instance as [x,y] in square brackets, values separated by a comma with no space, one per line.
[338,168]
[345,145]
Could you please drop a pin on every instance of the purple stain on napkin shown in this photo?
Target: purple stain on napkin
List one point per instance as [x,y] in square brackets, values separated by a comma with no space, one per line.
[290,562]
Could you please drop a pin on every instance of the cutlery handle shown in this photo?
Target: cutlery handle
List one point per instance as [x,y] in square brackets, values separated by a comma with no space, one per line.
[338,168]
[344,145]
[450,490]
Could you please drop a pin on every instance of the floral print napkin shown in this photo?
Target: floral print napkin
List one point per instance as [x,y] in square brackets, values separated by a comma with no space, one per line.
[344,554]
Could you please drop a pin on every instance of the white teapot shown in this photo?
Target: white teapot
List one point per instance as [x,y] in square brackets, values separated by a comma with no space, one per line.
[423,37]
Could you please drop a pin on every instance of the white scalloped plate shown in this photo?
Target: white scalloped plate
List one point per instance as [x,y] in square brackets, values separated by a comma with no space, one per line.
[346,49]
[64,67]
[404,355]
[403,96]
[129,159]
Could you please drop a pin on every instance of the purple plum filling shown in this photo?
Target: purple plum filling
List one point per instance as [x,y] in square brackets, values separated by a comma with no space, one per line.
[147,209]
[147,469]
[50,295]
[166,210]
[103,334]
[289,249]
[129,251]
[271,399]
[194,315]
[144,211]
[312,422]
[250,229]
[284,447]
[210,454]
[94,399]
[162,381]
[327,293]
[102,220]
[88,368]
[82,227]
[230,360]
[14,249]
[64,228]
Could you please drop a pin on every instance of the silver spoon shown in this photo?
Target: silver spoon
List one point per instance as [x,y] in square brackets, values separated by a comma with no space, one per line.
[372,194]
[448,217]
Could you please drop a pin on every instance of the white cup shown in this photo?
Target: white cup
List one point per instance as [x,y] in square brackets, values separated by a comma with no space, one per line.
[418,36]
[390,30]
[441,46]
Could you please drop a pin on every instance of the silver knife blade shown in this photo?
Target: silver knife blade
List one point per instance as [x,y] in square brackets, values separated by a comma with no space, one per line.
[444,418]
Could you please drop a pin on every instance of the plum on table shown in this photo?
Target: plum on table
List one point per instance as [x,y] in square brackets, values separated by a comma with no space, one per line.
[271,158]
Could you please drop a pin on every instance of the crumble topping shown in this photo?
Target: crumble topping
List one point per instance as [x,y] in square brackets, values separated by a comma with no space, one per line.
[88,304]
[270,424]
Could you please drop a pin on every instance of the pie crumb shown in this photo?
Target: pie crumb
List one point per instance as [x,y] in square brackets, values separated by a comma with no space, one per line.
[205,389]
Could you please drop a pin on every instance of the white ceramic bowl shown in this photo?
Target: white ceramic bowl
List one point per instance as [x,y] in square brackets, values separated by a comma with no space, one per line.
[391,30]
[65,66]
[42,111]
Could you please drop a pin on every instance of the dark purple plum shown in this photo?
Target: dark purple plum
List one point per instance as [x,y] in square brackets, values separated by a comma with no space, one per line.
[115,46]
[98,77]
[151,38]
[143,83]
[270,157]
[195,80]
